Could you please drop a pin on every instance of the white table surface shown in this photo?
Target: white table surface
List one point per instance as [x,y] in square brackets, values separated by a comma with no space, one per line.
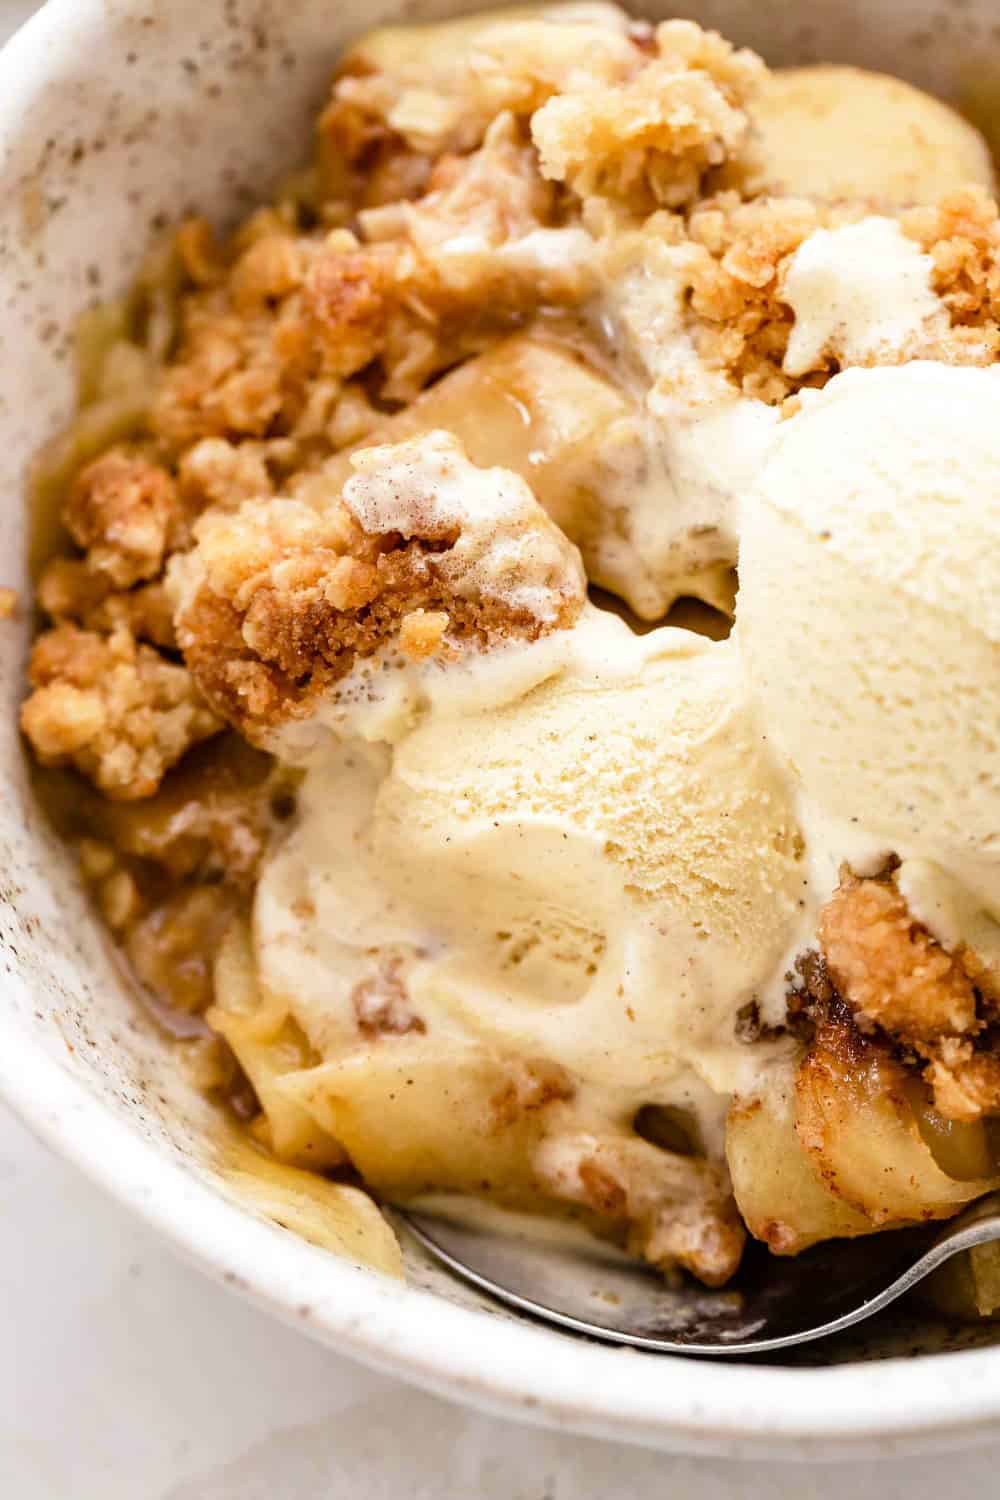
[125,1375]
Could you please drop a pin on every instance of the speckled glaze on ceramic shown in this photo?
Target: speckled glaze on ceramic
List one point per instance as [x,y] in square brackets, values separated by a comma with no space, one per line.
[115,117]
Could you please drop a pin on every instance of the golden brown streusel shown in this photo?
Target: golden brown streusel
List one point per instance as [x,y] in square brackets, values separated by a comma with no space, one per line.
[8,603]
[214,472]
[123,512]
[422,632]
[732,256]
[898,980]
[650,141]
[288,595]
[889,969]
[422,91]
[266,352]
[497,194]
[69,591]
[961,234]
[236,371]
[435,280]
[116,709]
[733,280]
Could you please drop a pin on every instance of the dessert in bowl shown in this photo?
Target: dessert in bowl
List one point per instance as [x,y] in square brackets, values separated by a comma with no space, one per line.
[459,849]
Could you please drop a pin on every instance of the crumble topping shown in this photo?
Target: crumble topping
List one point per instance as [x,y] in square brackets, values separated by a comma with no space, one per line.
[431,281]
[115,708]
[216,472]
[649,141]
[422,632]
[732,259]
[476,206]
[961,234]
[244,354]
[571,432]
[731,276]
[278,600]
[69,590]
[430,89]
[889,969]
[122,511]
[105,698]
[898,980]
[411,288]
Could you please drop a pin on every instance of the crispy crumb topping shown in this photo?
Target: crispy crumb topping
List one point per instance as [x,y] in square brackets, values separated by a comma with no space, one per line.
[731,258]
[116,709]
[424,91]
[649,141]
[898,980]
[412,288]
[422,632]
[124,512]
[962,236]
[889,969]
[281,598]
[69,590]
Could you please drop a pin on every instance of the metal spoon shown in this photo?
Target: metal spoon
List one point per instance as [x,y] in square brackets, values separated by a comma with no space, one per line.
[776,1303]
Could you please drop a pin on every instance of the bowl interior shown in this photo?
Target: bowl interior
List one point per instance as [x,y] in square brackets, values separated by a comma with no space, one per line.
[115,119]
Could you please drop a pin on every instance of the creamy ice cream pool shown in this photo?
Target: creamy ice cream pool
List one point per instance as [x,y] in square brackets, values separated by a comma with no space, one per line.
[861,295]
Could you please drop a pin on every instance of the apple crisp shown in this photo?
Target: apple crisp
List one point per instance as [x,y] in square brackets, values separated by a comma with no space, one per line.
[384,684]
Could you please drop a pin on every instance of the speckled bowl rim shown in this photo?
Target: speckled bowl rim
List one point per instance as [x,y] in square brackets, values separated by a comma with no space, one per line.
[887,1408]
[511,1367]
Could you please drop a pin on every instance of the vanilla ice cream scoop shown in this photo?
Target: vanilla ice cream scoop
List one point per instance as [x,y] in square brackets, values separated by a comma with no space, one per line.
[869,611]
[600,874]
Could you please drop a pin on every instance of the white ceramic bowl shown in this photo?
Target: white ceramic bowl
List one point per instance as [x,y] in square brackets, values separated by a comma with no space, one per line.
[115,116]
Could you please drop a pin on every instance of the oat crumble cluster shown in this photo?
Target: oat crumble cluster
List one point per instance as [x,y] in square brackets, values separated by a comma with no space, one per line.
[941,1008]
[283,597]
[262,521]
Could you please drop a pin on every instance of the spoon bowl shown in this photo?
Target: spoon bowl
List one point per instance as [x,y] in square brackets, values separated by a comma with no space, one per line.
[775,1303]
